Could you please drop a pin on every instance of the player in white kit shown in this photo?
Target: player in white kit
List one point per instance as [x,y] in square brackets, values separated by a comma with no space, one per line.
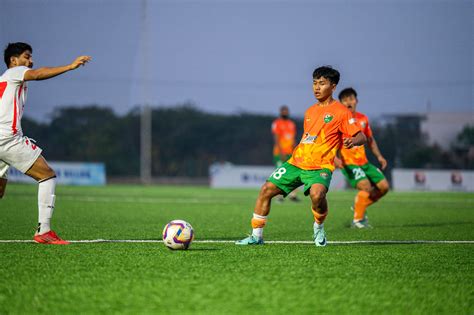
[18,150]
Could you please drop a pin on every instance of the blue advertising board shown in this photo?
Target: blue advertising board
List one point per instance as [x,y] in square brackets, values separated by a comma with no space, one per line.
[68,173]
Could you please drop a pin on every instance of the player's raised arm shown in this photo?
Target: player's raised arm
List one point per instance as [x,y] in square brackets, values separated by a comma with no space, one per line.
[50,72]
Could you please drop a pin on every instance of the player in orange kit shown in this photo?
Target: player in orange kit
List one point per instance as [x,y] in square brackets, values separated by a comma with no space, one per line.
[327,126]
[284,133]
[362,175]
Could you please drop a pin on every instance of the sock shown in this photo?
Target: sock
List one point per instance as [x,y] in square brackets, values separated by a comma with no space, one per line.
[319,218]
[362,201]
[46,200]
[258,223]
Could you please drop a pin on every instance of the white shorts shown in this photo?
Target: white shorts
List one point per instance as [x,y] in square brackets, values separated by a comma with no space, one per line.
[19,152]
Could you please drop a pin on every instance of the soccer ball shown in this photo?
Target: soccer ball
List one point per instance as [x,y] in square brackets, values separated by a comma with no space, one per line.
[178,234]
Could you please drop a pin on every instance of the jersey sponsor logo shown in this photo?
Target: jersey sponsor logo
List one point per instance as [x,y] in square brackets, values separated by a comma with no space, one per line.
[308,139]
[352,121]
[363,124]
[328,118]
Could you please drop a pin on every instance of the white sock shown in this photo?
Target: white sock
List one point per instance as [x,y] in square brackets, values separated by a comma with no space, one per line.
[318,226]
[258,232]
[46,198]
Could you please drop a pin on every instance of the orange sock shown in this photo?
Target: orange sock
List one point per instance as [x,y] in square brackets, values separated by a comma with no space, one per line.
[258,223]
[362,201]
[319,217]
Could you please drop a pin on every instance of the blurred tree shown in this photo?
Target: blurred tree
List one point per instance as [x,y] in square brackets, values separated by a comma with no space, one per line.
[463,147]
[187,140]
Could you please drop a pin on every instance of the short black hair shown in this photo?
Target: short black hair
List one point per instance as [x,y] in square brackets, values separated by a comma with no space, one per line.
[282,107]
[327,72]
[347,92]
[15,50]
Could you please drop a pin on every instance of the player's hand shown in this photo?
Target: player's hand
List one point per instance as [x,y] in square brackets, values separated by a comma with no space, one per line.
[80,61]
[338,163]
[383,162]
[348,144]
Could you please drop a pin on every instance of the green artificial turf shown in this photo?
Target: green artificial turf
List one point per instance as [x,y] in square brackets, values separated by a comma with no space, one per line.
[223,278]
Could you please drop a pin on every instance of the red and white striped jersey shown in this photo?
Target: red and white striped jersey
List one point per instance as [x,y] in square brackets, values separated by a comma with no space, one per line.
[13,92]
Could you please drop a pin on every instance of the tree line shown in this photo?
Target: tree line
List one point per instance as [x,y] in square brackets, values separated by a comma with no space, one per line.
[186,140]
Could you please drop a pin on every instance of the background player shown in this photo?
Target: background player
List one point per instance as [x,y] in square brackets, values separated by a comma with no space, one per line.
[284,134]
[18,150]
[362,175]
[327,125]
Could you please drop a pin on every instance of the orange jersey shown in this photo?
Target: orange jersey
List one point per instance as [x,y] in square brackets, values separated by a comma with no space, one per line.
[285,131]
[356,155]
[324,129]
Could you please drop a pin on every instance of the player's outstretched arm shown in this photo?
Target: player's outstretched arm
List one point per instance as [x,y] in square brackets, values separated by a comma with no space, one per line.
[50,72]
[358,139]
[375,150]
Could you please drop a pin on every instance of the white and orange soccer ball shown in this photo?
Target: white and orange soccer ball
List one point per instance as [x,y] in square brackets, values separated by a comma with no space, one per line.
[178,234]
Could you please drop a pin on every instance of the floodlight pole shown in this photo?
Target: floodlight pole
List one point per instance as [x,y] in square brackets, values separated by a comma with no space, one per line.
[146,112]
[145,145]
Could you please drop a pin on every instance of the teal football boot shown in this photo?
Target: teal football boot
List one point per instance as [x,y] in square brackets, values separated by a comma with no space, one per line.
[361,224]
[251,240]
[319,236]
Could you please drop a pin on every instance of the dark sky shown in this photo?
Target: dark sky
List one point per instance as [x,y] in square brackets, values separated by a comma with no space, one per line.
[228,56]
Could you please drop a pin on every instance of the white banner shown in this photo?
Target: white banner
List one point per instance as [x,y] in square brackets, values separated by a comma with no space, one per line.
[432,180]
[67,173]
[226,175]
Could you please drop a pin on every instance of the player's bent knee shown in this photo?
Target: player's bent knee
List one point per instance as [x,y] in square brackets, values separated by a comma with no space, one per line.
[383,187]
[269,190]
[317,195]
[40,170]
[364,185]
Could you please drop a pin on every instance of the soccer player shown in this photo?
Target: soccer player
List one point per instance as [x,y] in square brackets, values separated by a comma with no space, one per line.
[284,133]
[327,125]
[18,150]
[362,175]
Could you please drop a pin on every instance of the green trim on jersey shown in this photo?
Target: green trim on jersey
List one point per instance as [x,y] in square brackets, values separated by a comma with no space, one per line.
[356,173]
[289,177]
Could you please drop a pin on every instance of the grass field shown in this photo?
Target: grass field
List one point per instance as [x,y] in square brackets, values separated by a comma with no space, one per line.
[218,278]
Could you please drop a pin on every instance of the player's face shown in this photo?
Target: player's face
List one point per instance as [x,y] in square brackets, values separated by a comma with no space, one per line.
[350,102]
[284,113]
[323,88]
[25,59]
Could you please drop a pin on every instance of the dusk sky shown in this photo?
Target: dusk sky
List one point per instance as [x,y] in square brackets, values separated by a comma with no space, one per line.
[230,56]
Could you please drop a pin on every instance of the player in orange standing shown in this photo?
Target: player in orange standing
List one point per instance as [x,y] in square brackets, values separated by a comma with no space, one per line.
[327,126]
[284,133]
[362,175]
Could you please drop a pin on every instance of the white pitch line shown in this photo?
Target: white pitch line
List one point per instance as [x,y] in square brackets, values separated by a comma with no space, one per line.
[146,200]
[267,242]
